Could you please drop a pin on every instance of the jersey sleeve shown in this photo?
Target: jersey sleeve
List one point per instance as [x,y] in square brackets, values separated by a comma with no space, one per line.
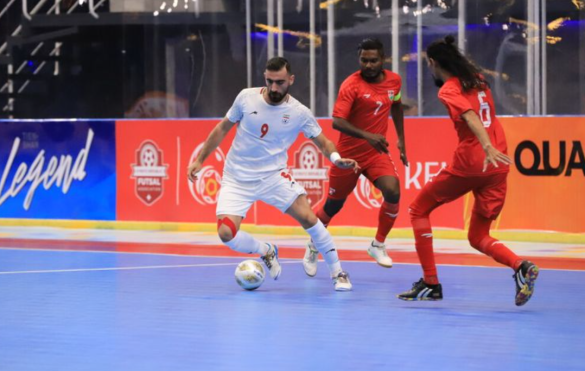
[236,111]
[344,101]
[398,94]
[455,102]
[311,127]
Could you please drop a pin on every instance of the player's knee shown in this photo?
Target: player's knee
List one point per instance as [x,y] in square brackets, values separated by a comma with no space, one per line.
[392,196]
[225,234]
[226,229]
[309,220]
[475,238]
[414,212]
[332,207]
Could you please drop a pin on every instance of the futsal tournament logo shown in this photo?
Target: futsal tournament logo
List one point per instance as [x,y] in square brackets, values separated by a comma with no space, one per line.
[309,171]
[205,190]
[149,172]
[366,194]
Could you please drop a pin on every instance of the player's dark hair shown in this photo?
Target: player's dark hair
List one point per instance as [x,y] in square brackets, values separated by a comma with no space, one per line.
[450,58]
[371,44]
[277,63]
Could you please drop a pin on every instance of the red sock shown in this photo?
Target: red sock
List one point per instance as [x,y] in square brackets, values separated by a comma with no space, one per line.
[480,239]
[423,237]
[323,217]
[386,218]
[419,211]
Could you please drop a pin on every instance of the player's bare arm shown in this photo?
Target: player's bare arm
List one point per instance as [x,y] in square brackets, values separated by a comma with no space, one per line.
[397,113]
[211,143]
[377,141]
[328,149]
[492,155]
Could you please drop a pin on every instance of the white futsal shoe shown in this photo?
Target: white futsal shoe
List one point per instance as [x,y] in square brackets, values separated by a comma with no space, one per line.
[271,261]
[310,260]
[380,254]
[342,282]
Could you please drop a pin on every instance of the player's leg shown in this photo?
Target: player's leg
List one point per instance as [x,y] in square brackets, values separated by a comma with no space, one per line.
[443,188]
[284,193]
[489,201]
[301,211]
[382,173]
[341,184]
[329,209]
[233,203]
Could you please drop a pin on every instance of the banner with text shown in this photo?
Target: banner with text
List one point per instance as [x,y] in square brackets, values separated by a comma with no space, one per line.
[544,186]
[57,170]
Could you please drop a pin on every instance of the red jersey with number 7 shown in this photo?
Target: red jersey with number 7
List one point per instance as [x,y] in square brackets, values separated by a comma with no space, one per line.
[367,107]
[469,155]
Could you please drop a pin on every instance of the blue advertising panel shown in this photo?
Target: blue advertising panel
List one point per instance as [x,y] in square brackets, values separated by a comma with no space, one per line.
[58,169]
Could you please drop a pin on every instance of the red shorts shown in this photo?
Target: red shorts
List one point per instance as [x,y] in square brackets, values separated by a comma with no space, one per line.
[343,181]
[489,191]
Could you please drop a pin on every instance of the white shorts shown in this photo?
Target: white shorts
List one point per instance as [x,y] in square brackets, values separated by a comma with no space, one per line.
[279,190]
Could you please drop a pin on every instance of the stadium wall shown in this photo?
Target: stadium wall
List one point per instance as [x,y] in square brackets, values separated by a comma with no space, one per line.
[132,174]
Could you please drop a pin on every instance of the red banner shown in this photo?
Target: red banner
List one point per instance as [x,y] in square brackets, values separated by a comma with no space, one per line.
[153,194]
[152,157]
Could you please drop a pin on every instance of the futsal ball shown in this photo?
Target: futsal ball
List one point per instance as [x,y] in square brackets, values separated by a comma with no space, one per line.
[249,274]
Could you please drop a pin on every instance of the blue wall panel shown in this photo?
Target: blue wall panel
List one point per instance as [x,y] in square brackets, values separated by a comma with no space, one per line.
[58,169]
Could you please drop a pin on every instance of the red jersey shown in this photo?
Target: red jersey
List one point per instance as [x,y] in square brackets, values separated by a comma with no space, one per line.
[469,155]
[367,107]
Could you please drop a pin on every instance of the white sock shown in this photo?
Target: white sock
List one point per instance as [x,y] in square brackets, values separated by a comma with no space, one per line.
[244,242]
[377,243]
[324,243]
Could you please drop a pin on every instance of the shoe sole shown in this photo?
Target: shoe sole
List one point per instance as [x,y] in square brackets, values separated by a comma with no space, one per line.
[343,288]
[528,289]
[275,277]
[380,264]
[418,299]
[307,273]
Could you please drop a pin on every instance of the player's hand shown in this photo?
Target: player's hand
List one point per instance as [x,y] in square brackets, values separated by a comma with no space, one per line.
[402,149]
[378,141]
[493,156]
[347,163]
[193,169]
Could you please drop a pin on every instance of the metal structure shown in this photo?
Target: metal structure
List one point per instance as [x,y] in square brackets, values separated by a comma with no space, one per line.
[43,14]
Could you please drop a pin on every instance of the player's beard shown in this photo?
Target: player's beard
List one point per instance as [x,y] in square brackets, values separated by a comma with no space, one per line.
[276,97]
[370,75]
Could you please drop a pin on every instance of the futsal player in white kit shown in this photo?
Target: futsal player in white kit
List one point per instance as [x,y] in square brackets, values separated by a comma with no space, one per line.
[268,121]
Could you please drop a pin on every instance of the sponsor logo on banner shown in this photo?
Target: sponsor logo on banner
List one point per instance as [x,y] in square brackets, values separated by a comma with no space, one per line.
[149,172]
[366,194]
[420,173]
[205,190]
[310,172]
[570,158]
[60,170]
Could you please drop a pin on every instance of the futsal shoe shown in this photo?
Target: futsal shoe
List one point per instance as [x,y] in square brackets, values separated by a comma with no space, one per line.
[380,254]
[422,291]
[342,282]
[271,261]
[525,277]
[310,260]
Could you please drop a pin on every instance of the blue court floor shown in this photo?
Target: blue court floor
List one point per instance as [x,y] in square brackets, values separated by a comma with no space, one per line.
[63,310]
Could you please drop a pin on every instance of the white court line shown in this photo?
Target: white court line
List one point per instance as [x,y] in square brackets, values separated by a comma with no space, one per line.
[286,261]
[129,268]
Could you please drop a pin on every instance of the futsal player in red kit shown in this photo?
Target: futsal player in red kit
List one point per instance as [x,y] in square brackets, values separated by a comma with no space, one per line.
[366,99]
[480,165]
